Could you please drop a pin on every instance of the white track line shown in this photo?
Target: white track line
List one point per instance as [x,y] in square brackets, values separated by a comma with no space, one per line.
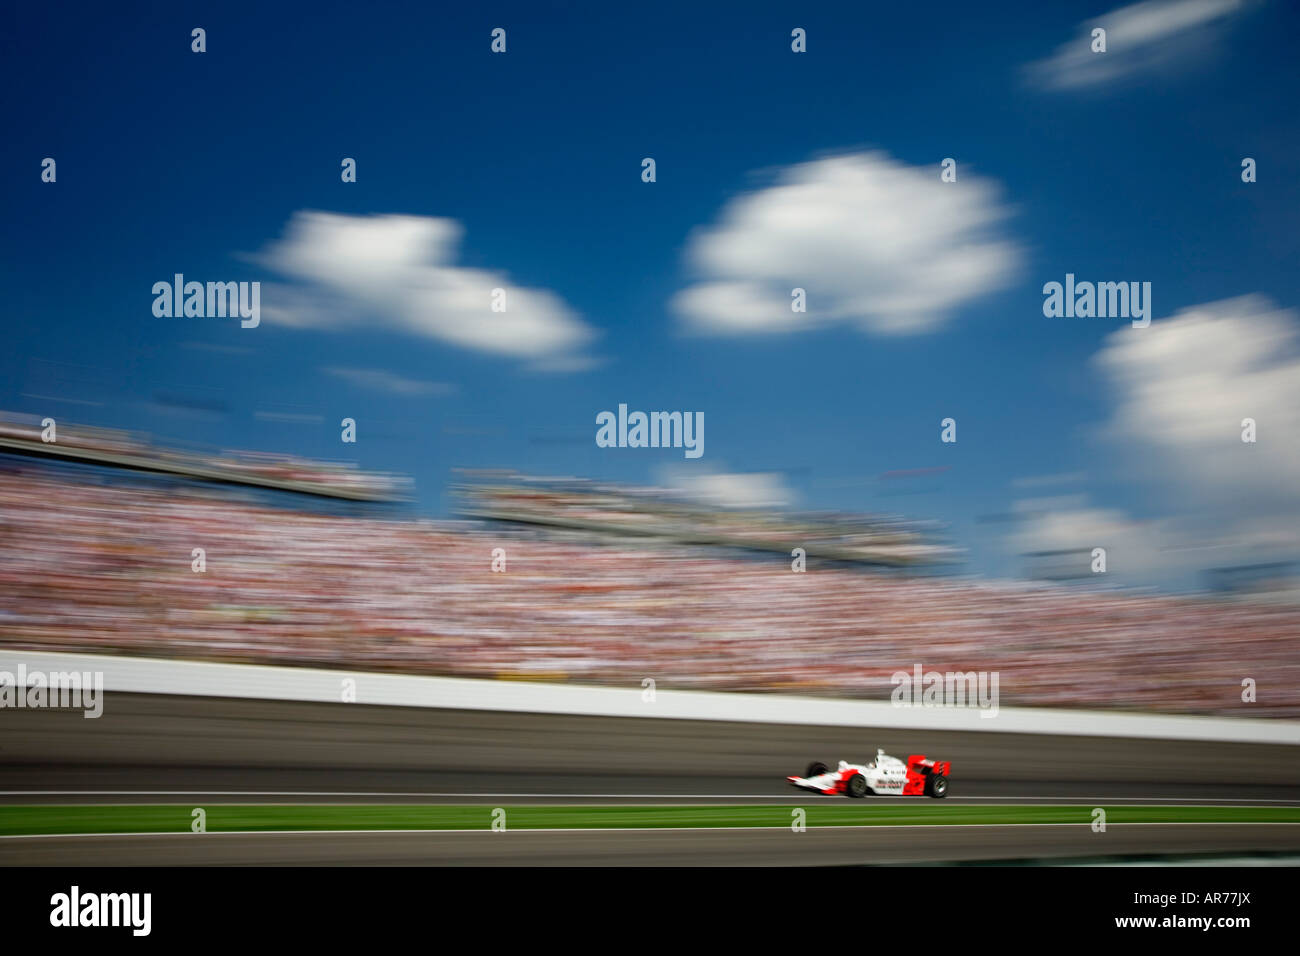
[853,826]
[1063,800]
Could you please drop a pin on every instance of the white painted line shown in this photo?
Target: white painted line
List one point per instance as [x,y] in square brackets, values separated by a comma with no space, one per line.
[262,682]
[778,799]
[488,829]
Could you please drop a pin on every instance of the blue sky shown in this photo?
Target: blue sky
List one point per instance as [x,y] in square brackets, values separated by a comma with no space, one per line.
[1116,166]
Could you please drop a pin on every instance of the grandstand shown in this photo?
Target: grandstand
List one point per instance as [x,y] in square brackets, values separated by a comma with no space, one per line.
[117,449]
[96,567]
[611,510]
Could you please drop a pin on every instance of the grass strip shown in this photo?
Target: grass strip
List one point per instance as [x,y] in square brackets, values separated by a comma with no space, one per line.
[167,818]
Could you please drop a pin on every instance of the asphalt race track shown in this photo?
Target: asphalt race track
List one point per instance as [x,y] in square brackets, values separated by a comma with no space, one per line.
[636,847]
[164,749]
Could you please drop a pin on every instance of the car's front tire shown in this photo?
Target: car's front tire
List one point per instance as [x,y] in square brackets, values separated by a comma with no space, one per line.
[856,786]
[936,786]
[816,769]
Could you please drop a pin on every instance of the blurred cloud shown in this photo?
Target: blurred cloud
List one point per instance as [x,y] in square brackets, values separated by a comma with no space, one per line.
[1039,481]
[1052,504]
[385,381]
[729,490]
[1133,548]
[1184,385]
[874,242]
[289,418]
[1143,37]
[57,398]
[399,273]
[1182,388]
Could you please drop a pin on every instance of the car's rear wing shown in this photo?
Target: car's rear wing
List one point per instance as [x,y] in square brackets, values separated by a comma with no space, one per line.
[917,762]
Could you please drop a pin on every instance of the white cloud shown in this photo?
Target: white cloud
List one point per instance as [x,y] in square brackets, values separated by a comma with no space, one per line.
[1141,38]
[385,381]
[874,242]
[1051,503]
[398,273]
[1058,478]
[1133,548]
[729,490]
[1181,388]
[1184,385]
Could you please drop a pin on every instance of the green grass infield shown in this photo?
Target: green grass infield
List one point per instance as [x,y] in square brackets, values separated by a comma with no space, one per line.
[221,817]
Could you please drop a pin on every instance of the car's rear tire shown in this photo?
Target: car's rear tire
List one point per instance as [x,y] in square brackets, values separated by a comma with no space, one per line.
[856,786]
[816,769]
[936,786]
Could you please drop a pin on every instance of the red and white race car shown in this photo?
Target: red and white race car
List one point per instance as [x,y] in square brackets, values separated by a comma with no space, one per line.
[884,775]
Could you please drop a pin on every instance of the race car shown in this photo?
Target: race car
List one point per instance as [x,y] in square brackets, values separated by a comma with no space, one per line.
[884,775]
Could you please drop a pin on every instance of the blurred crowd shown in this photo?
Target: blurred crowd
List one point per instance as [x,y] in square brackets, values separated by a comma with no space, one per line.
[108,567]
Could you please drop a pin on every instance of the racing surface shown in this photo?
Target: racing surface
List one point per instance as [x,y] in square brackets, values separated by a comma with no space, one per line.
[826,847]
[161,749]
